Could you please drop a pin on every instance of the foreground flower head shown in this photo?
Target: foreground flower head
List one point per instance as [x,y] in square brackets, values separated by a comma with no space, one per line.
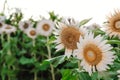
[94,53]
[24,25]
[68,36]
[113,25]
[32,33]
[45,27]
[8,29]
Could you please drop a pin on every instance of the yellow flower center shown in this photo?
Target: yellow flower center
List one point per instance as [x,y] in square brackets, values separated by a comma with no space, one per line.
[92,54]
[70,37]
[32,32]
[46,27]
[26,25]
[1,25]
[117,24]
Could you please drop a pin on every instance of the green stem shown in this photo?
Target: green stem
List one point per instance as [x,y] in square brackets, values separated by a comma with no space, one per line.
[35,73]
[79,67]
[49,57]
[9,52]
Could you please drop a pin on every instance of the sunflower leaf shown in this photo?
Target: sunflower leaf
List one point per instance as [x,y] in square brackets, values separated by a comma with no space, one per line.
[57,60]
[84,21]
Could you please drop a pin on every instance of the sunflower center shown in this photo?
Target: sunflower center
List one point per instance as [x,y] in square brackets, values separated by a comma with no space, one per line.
[8,27]
[70,37]
[32,33]
[92,54]
[117,24]
[1,25]
[25,25]
[46,27]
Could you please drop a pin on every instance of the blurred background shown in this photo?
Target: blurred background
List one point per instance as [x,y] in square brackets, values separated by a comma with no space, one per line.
[78,9]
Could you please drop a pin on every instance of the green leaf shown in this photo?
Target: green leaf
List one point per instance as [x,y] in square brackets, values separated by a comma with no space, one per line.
[57,60]
[81,74]
[67,75]
[85,21]
[44,65]
[24,60]
[94,76]
[113,42]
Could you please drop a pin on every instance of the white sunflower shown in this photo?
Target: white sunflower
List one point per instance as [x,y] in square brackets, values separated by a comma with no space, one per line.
[24,25]
[32,33]
[45,27]
[113,25]
[67,37]
[94,53]
[118,74]
[8,29]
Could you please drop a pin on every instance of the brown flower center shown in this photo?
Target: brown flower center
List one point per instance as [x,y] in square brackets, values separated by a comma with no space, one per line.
[117,24]
[46,27]
[26,25]
[8,27]
[92,54]
[32,32]
[70,37]
[1,25]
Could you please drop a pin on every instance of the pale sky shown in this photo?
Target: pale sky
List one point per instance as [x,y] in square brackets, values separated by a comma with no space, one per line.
[78,9]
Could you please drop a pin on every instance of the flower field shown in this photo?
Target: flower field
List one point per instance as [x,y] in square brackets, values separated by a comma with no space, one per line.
[58,48]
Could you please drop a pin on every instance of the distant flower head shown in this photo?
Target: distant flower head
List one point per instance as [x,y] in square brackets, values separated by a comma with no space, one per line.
[8,29]
[45,27]
[32,33]
[24,25]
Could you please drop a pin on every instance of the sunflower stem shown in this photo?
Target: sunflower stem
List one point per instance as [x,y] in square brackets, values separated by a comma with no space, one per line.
[8,52]
[35,73]
[49,57]
[79,67]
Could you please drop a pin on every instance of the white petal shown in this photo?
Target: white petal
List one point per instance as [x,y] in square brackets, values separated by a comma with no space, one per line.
[68,52]
[59,47]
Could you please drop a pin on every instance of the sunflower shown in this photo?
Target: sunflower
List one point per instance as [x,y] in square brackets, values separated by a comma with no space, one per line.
[94,53]
[8,29]
[24,25]
[45,27]
[113,25]
[32,33]
[67,37]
